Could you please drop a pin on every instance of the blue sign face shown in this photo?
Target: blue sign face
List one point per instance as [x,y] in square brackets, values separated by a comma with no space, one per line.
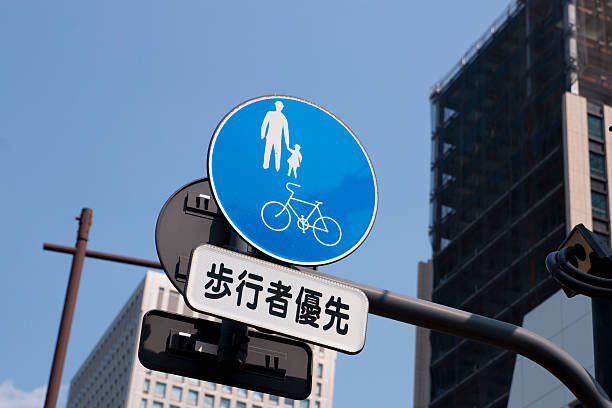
[293,180]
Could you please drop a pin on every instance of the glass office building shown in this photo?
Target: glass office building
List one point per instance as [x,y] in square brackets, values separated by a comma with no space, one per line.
[519,139]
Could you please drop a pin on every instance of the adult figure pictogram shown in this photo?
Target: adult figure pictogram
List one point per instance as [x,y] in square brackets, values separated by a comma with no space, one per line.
[276,124]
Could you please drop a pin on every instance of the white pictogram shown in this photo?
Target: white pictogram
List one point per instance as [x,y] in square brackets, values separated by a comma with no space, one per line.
[295,160]
[277,217]
[276,124]
[273,127]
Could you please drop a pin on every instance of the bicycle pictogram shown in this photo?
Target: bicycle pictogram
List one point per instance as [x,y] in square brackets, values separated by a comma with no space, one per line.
[277,217]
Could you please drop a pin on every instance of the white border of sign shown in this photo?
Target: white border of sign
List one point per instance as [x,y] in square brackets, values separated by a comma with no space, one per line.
[214,191]
[200,295]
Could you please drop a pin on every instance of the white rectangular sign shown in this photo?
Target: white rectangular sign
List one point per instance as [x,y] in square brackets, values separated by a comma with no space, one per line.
[265,295]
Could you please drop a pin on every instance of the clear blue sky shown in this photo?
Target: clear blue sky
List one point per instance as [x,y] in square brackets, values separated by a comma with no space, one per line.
[111,105]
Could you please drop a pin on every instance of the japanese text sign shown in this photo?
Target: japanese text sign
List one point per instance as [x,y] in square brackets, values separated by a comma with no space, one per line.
[261,294]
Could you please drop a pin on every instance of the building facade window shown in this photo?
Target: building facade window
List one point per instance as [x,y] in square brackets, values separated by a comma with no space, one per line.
[173,301]
[599,203]
[304,404]
[211,384]
[160,389]
[143,403]
[273,398]
[242,392]
[595,126]
[192,396]
[157,405]
[240,404]
[160,298]
[289,402]
[598,165]
[226,388]
[319,370]
[318,389]
[225,403]
[317,404]
[176,393]
[145,386]
[209,400]
[258,395]
[602,237]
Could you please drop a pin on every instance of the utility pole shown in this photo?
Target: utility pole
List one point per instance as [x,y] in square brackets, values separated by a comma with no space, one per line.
[234,340]
[63,336]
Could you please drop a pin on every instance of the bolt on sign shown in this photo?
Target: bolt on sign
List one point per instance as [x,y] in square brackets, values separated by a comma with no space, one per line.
[269,296]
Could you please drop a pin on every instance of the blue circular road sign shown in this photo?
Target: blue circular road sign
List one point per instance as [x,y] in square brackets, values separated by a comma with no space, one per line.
[293,180]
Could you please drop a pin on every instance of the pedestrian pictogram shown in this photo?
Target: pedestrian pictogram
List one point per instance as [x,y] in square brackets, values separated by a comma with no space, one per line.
[302,170]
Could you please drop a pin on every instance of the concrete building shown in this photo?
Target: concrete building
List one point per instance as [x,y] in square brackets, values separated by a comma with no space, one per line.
[568,324]
[422,352]
[112,376]
[519,142]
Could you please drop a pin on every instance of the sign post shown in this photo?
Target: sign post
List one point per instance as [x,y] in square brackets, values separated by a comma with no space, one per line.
[292,180]
[55,378]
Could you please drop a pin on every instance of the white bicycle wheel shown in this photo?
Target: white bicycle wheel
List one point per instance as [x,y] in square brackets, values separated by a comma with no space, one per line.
[275,216]
[327,231]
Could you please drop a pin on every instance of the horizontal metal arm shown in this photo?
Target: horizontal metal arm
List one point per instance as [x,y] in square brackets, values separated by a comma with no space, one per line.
[104,255]
[452,321]
[490,331]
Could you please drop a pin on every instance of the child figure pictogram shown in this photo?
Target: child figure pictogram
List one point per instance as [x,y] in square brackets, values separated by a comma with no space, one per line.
[294,160]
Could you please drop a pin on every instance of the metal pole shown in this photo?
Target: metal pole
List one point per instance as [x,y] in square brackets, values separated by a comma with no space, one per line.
[234,337]
[602,340]
[104,255]
[474,327]
[63,336]
[490,331]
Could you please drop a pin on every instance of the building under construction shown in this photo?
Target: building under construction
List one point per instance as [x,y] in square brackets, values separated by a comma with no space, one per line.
[519,139]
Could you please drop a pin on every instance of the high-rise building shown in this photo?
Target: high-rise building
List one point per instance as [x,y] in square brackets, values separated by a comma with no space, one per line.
[422,350]
[519,141]
[112,375]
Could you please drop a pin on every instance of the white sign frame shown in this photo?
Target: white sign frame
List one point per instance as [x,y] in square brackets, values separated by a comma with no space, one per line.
[338,327]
